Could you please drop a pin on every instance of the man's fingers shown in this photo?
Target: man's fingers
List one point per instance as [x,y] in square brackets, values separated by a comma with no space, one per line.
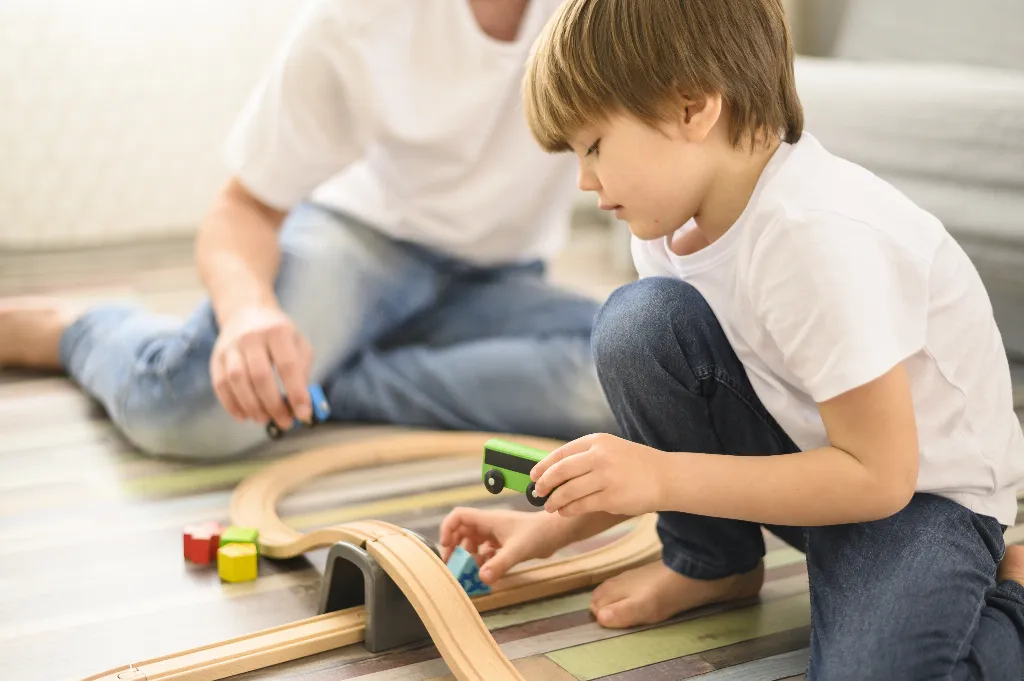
[241,387]
[222,389]
[261,373]
[563,471]
[291,367]
[574,489]
[568,449]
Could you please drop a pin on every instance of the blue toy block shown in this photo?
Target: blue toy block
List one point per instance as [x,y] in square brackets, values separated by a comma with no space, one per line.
[462,565]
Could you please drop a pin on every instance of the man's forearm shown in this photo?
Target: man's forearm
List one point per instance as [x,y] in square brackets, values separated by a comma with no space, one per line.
[824,486]
[237,255]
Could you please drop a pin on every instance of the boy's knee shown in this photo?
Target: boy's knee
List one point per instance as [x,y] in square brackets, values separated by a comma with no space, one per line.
[886,660]
[642,323]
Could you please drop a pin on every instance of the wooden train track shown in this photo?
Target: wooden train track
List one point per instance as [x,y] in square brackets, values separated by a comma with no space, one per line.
[451,617]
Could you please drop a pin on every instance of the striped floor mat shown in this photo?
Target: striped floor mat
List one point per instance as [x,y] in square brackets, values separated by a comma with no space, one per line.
[92,577]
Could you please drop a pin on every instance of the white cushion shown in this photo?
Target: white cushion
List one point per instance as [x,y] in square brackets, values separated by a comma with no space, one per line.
[932,125]
[980,32]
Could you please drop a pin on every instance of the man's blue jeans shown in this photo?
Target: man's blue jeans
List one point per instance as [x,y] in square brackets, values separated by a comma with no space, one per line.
[912,596]
[400,335]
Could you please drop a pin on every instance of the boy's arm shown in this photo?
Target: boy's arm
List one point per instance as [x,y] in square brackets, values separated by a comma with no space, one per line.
[566,530]
[869,471]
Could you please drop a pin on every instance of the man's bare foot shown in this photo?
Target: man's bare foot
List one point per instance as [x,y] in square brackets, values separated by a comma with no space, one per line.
[653,593]
[1012,567]
[30,332]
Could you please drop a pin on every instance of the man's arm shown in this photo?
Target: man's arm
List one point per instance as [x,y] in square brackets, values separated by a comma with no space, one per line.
[237,253]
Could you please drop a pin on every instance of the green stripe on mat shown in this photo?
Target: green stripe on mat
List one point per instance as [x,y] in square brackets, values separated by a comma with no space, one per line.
[193,480]
[594,660]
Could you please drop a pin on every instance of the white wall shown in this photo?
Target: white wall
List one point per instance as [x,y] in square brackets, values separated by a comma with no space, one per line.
[112,112]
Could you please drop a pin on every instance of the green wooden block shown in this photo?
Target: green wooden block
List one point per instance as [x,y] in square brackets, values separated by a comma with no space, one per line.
[240,535]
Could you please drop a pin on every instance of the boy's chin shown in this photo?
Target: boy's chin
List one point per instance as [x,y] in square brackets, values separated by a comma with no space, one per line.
[646,231]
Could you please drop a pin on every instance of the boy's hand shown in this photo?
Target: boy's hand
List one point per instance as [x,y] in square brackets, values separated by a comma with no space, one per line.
[602,472]
[498,540]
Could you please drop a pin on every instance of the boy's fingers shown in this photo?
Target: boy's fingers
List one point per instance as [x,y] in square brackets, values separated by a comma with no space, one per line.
[568,449]
[458,520]
[471,544]
[575,488]
[507,557]
[564,471]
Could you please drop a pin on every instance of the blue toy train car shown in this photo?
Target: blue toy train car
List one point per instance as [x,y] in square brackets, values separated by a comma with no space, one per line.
[321,410]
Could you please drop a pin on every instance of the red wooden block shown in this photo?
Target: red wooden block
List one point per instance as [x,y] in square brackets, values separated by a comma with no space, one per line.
[201,542]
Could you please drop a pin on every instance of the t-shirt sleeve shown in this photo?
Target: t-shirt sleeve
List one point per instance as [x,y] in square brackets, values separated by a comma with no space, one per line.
[300,125]
[843,302]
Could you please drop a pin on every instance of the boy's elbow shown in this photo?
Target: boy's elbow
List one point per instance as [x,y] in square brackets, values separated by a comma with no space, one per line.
[897,491]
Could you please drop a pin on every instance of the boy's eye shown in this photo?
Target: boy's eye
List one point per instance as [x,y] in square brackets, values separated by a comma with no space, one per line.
[594,148]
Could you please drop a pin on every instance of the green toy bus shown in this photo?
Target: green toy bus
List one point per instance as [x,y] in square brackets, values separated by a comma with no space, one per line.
[507,464]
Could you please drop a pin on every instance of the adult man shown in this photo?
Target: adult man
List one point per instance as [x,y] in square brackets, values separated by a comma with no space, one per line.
[410,285]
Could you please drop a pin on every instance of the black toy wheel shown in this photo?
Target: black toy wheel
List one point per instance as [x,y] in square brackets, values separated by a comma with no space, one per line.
[273,431]
[494,481]
[531,495]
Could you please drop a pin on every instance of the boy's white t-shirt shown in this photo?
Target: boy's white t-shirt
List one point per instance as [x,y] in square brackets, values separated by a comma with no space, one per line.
[830,278]
[406,115]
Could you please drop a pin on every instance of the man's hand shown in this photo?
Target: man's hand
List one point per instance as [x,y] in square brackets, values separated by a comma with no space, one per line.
[498,540]
[251,346]
[601,472]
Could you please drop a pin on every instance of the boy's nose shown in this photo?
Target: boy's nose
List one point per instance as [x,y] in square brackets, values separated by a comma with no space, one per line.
[587,181]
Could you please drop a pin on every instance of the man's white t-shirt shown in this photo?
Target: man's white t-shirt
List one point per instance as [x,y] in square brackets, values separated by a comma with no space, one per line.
[831,277]
[406,115]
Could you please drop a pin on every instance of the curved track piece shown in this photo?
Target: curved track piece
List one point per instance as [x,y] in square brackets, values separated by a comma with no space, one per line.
[454,625]
[450,615]
[255,499]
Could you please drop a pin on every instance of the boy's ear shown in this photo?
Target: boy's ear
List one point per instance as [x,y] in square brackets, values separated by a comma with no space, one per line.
[699,116]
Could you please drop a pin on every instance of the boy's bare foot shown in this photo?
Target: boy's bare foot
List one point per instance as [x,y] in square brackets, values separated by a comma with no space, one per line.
[652,593]
[30,332]
[1012,567]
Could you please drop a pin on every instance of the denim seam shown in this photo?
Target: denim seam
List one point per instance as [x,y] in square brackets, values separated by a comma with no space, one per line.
[726,380]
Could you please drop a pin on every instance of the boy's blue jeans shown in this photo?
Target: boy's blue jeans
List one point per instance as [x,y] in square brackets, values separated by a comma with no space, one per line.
[400,335]
[913,596]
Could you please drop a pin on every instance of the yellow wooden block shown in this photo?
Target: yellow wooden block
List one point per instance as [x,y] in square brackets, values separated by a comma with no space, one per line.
[237,562]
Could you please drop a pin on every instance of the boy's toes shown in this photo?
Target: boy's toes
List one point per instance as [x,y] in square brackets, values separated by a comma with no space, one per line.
[624,613]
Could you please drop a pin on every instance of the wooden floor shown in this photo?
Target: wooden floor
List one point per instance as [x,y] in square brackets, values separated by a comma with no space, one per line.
[91,573]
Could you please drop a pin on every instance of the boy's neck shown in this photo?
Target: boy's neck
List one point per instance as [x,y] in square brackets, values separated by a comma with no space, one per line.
[731,189]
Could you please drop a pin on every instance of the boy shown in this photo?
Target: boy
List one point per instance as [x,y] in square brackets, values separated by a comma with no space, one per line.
[384,233]
[796,313]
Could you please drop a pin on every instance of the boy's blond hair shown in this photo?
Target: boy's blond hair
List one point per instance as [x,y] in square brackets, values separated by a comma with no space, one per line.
[596,58]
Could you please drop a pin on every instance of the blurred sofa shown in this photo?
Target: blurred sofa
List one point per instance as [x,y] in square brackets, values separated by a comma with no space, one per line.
[929,94]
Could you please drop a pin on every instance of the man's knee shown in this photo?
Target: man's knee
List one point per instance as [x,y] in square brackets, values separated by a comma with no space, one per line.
[192,425]
[640,325]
